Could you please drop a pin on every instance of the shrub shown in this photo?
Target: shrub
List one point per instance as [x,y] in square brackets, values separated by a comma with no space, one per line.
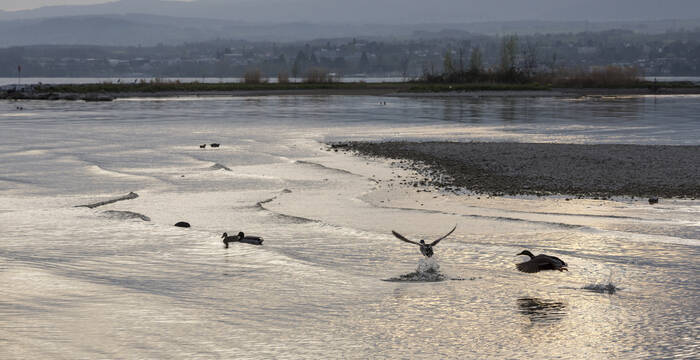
[318,75]
[283,77]
[601,77]
[253,76]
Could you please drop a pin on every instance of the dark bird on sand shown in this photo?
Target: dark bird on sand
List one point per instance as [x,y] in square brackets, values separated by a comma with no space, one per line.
[425,248]
[253,240]
[183,224]
[202,146]
[214,145]
[541,262]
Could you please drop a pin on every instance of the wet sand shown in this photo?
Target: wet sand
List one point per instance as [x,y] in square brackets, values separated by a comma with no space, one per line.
[546,169]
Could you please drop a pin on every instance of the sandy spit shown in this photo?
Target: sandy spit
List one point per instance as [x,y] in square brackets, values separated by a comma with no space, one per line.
[545,169]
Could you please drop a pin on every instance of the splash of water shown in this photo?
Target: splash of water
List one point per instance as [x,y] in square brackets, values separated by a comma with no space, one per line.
[603,288]
[608,288]
[428,270]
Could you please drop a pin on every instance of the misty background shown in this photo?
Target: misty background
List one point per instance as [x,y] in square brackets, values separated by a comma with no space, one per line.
[149,22]
[379,37]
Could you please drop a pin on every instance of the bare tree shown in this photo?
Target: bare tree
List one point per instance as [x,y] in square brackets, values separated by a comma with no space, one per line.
[553,64]
[509,49]
[405,61]
[475,61]
[448,64]
[529,59]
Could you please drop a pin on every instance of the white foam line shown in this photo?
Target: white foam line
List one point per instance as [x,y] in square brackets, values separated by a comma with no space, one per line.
[639,237]
[96,169]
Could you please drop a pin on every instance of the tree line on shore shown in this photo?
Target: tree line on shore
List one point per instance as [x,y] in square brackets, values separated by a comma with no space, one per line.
[444,58]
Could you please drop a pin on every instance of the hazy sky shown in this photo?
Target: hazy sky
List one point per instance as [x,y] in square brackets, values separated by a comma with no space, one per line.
[11,5]
[31,4]
[382,11]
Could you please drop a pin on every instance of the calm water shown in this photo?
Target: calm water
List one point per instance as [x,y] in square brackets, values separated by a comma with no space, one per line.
[103,283]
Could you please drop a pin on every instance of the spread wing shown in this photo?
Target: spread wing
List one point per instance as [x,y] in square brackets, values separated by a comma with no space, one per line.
[402,238]
[557,261]
[528,267]
[446,235]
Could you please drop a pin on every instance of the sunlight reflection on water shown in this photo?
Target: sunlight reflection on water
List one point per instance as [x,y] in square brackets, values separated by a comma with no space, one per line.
[85,283]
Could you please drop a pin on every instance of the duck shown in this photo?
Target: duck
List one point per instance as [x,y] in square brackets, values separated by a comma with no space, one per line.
[202,146]
[253,240]
[425,248]
[214,145]
[540,262]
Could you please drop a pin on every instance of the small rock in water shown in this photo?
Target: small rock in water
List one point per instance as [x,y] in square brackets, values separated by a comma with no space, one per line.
[183,224]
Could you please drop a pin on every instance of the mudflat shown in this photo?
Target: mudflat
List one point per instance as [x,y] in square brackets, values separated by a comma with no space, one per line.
[599,170]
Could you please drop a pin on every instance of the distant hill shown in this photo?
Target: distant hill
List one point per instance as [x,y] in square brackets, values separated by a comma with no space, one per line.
[384,11]
[148,30]
[150,22]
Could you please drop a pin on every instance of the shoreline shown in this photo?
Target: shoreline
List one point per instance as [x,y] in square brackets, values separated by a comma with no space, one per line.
[109,92]
[542,169]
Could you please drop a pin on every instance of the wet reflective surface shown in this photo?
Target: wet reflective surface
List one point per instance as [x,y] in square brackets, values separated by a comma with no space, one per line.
[120,281]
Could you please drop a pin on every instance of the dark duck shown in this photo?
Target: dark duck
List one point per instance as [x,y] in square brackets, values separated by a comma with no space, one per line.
[425,248]
[541,262]
[241,237]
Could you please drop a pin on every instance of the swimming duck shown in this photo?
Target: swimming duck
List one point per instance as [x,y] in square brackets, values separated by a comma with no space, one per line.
[214,145]
[202,146]
[541,262]
[425,248]
[253,240]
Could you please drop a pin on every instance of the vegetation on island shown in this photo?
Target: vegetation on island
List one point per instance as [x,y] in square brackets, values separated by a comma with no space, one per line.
[518,69]
[669,53]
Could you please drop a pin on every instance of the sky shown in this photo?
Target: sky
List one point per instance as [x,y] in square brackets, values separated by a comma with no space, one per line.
[11,5]
[379,11]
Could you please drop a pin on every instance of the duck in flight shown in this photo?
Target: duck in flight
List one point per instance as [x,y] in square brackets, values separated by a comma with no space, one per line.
[541,262]
[425,248]
[253,240]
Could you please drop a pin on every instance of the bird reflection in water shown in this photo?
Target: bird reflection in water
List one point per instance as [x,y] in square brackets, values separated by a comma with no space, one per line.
[541,310]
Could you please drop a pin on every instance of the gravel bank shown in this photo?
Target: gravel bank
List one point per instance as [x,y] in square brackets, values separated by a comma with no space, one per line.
[545,169]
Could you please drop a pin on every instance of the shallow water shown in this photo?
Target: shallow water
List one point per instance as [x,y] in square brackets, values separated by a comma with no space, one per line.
[119,281]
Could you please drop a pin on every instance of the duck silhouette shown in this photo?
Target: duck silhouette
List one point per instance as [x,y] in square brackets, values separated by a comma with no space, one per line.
[425,248]
[541,262]
[241,237]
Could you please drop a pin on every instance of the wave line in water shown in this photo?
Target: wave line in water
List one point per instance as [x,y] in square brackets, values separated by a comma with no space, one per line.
[218,166]
[324,167]
[126,215]
[294,219]
[16,181]
[130,196]
[488,217]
